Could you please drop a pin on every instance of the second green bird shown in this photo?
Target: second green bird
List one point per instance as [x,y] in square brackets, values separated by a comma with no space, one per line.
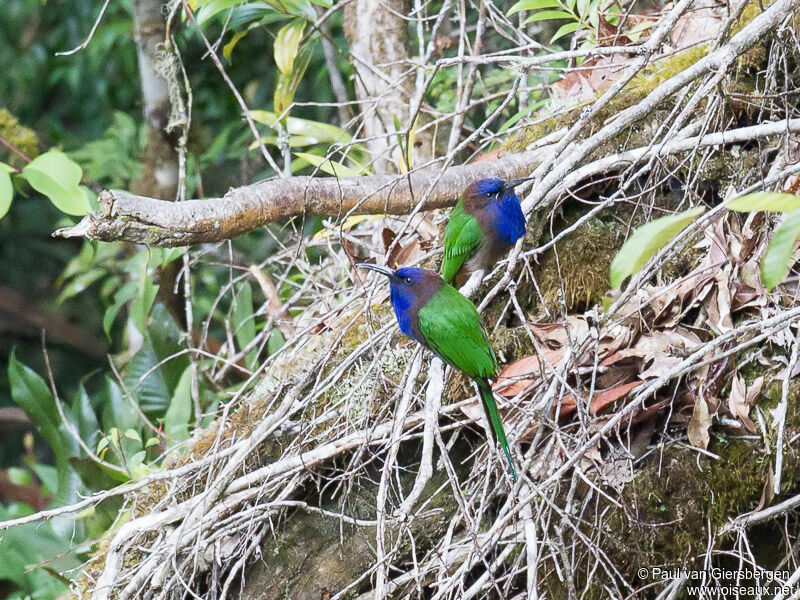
[445,322]
[483,227]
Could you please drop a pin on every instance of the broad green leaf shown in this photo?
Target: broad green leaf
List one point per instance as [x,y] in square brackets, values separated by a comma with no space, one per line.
[547,15]
[533,5]
[244,325]
[565,29]
[208,9]
[778,257]
[323,132]
[84,416]
[123,295]
[275,342]
[79,284]
[19,476]
[176,420]
[143,301]
[48,475]
[331,167]
[6,188]
[118,411]
[287,43]
[57,177]
[287,84]
[533,106]
[24,547]
[646,241]
[766,201]
[31,394]
[227,49]
[154,371]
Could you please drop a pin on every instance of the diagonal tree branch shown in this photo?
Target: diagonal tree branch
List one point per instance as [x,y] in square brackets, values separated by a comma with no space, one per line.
[126,216]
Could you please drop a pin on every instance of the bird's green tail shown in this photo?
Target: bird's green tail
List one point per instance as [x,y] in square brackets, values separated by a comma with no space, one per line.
[495,422]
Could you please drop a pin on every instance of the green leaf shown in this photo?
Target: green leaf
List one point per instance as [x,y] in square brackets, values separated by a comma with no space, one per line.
[176,421]
[31,394]
[547,15]
[57,177]
[6,188]
[275,342]
[287,84]
[84,416]
[322,132]
[227,49]
[143,301]
[287,43]
[123,295]
[533,5]
[646,241]
[118,411]
[778,257]
[154,371]
[244,325]
[24,547]
[565,29]
[79,284]
[331,167]
[766,201]
[533,106]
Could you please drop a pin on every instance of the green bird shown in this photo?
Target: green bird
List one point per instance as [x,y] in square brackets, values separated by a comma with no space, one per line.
[445,322]
[482,229]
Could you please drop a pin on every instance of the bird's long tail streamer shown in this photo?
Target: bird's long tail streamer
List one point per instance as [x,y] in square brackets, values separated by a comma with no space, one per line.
[495,422]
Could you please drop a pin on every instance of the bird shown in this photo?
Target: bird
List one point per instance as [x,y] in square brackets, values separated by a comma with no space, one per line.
[483,227]
[441,319]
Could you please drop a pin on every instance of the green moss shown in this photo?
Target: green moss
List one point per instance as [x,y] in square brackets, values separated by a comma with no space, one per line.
[22,138]
[578,267]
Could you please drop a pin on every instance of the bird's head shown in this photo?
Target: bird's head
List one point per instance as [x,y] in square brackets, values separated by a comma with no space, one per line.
[410,289]
[408,280]
[491,189]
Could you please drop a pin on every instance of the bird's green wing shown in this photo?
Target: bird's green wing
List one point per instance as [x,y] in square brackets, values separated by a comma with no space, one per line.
[462,237]
[453,330]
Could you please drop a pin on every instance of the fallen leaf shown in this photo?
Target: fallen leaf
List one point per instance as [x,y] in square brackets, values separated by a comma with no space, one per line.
[699,424]
[701,23]
[519,375]
[606,397]
[741,399]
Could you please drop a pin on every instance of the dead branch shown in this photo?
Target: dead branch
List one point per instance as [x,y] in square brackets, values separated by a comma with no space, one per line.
[128,217]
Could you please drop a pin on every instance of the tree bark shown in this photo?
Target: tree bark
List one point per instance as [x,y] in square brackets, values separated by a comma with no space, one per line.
[160,177]
[126,216]
[378,36]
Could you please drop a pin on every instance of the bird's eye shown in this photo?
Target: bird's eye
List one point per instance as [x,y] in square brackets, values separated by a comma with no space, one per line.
[409,281]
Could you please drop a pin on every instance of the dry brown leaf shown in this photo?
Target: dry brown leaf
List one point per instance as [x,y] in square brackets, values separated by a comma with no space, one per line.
[699,25]
[742,398]
[699,424]
[600,399]
[521,373]
[606,397]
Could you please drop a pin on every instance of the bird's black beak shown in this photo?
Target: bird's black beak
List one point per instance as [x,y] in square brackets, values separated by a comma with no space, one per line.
[510,185]
[382,270]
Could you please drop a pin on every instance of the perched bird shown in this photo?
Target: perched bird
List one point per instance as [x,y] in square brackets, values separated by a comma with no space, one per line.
[483,227]
[436,315]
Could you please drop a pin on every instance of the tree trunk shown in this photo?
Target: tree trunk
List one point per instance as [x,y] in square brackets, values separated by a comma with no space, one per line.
[378,38]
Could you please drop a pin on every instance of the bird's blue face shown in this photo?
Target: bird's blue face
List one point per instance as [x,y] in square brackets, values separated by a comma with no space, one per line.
[504,206]
[402,294]
[491,186]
